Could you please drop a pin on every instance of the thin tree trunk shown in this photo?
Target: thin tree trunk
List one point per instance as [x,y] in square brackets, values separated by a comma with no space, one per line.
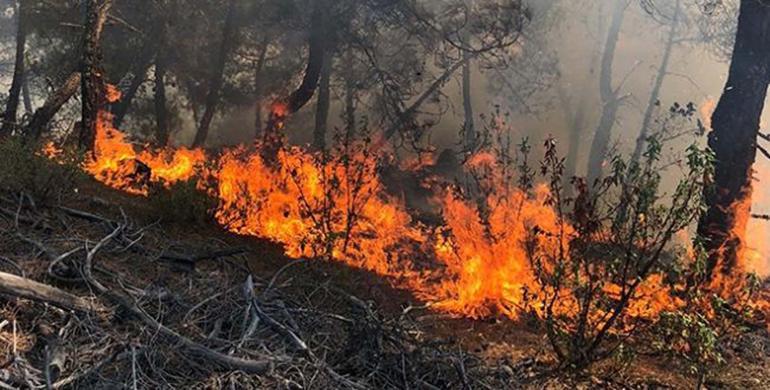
[316,54]
[659,78]
[610,100]
[577,120]
[122,107]
[281,109]
[43,115]
[259,89]
[350,96]
[576,125]
[9,116]
[469,129]
[161,113]
[91,82]
[217,78]
[324,102]
[26,95]
[735,126]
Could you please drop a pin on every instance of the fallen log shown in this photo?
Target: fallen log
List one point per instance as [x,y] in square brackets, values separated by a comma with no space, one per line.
[29,289]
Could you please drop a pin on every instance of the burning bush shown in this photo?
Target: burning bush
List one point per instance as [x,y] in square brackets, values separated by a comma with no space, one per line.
[593,267]
[617,271]
[317,205]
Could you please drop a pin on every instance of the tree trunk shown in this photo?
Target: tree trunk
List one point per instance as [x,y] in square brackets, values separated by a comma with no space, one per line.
[610,100]
[469,129]
[43,115]
[733,139]
[9,116]
[161,113]
[122,107]
[576,120]
[217,77]
[350,96]
[91,82]
[659,78]
[281,109]
[322,108]
[26,95]
[576,125]
[259,89]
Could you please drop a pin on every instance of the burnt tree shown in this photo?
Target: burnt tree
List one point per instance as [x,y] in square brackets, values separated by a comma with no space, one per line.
[289,105]
[217,77]
[161,113]
[323,105]
[91,82]
[139,72]
[96,16]
[469,129]
[43,115]
[259,88]
[9,116]
[350,95]
[733,139]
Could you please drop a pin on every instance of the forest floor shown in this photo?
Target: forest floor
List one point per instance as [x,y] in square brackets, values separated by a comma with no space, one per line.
[237,313]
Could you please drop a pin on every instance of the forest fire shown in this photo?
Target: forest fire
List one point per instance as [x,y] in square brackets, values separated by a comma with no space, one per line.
[256,194]
[337,209]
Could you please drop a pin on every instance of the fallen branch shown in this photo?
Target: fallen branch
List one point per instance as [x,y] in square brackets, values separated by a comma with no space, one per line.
[29,289]
[229,362]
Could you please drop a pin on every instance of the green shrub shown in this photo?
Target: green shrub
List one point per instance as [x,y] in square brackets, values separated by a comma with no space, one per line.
[23,169]
[182,202]
[691,337]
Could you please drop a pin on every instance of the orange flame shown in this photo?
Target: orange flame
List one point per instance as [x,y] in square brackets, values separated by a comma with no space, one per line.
[117,164]
[487,265]
[337,209]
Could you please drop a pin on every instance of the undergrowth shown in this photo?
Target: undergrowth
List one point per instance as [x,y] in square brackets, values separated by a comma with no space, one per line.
[182,202]
[23,169]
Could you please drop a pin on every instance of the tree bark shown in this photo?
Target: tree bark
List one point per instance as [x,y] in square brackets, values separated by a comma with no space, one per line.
[281,109]
[161,113]
[259,89]
[350,96]
[43,115]
[576,122]
[91,82]
[317,47]
[29,289]
[735,124]
[122,107]
[469,129]
[322,107]
[658,84]
[9,116]
[610,99]
[217,78]
[26,95]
